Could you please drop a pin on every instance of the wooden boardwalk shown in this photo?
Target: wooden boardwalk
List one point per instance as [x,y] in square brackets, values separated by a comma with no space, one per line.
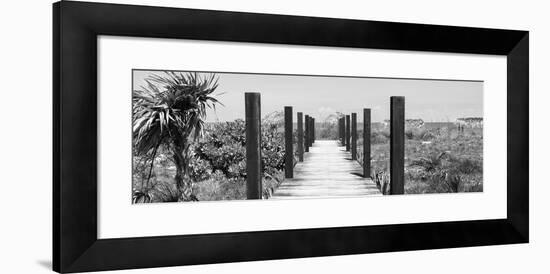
[327,171]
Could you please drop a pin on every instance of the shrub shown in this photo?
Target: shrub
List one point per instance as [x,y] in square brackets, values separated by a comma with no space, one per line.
[220,158]
[426,135]
[421,134]
[431,163]
[379,136]
[219,187]
[442,172]
[466,165]
[165,192]
[409,134]
[161,191]
[200,169]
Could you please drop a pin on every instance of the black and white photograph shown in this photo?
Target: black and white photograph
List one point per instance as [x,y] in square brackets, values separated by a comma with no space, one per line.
[275,137]
[213,136]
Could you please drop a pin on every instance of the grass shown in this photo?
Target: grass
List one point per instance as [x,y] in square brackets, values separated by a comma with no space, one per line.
[218,187]
[437,159]
[218,168]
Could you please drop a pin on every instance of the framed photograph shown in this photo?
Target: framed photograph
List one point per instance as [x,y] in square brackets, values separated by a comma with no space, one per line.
[187,136]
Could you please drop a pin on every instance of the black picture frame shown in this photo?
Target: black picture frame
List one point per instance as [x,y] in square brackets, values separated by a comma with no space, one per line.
[76,26]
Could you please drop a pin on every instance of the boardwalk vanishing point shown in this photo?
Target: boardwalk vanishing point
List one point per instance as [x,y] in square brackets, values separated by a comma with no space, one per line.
[327,171]
[324,168]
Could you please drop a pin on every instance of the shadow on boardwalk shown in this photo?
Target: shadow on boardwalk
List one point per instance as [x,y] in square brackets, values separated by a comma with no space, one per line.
[327,171]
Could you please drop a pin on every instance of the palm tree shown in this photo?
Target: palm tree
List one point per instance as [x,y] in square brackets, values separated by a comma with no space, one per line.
[170,111]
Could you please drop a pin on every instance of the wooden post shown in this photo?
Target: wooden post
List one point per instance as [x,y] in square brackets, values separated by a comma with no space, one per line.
[397,145]
[347,133]
[354,136]
[343,132]
[306,142]
[340,137]
[312,130]
[300,137]
[289,149]
[366,142]
[253,146]
[339,129]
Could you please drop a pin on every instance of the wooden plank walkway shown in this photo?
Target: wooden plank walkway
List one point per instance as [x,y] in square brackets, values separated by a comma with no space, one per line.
[327,171]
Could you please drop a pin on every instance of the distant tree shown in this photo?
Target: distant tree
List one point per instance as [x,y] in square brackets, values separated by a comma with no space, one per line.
[328,127]
[170,110]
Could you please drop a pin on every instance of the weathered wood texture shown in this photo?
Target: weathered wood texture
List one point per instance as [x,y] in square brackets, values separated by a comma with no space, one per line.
[348,132]
[306,133]
[354,136]
[313,130]
[300,137]
[253,146]
[309,129]
[326,172]
[397,145]
[366,142]
[341,130]
[289,143]
[343,139]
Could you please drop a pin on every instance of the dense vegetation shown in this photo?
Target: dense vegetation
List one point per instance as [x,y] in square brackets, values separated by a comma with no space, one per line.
[177,156]
[438,159]
[218,165]
[167,114]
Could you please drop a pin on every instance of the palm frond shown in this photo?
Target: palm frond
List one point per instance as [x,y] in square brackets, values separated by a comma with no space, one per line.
[171,105]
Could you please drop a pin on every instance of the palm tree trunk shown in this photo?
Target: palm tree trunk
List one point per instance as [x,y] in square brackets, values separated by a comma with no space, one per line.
[182,180]
[152,164]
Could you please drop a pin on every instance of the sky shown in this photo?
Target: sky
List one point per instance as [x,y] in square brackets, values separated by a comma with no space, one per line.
[320,96]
